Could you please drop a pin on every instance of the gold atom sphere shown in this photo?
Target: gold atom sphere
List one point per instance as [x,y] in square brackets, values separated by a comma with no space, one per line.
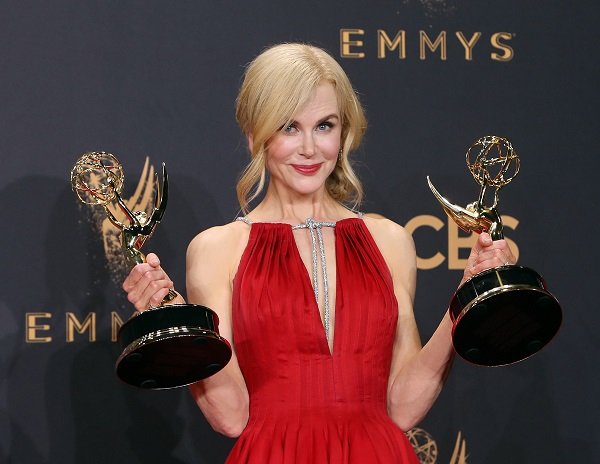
[493,161]
[97,178]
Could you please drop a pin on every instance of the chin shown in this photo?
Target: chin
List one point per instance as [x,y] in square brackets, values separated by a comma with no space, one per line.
[308,188]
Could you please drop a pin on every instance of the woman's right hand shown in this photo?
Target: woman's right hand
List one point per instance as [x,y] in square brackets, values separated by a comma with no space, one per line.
[148,284]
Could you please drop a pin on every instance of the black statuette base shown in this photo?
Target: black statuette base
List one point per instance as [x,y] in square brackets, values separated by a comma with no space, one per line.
[503,315]
[171,346]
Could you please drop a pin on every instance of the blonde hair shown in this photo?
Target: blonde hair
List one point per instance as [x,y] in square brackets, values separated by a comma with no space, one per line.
[277,83]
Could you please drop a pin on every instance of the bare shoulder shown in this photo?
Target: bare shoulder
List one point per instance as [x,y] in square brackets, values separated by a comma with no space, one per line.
[398,250]
[388,233]
[220,244]
[219,236]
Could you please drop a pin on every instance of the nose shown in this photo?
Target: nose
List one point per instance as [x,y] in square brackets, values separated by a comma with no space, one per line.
[308,145]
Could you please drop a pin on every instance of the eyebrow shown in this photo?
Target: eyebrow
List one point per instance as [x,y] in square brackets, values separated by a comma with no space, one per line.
[331,116]
[321,120]
[324,118]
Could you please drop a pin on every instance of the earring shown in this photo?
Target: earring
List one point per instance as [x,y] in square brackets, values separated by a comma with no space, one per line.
[340,153]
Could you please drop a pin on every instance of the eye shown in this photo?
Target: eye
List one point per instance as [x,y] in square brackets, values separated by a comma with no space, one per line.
[325,125]
[289,129]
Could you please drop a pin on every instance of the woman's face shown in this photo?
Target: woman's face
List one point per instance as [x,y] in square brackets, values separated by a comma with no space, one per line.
[301,155]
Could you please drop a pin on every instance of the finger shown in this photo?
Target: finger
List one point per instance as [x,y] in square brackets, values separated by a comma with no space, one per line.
[153,260]
[501,249]
[487,253]
[510,257]
[485,265]
[148,284]
[152,295]
[495,256]
[483,241]
[135,275]
[157,298]
[147,279]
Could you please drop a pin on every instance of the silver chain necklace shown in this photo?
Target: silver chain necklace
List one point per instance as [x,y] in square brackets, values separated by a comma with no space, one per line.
[316,236]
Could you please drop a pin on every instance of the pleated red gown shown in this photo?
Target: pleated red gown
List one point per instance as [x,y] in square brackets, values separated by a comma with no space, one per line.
[308,405]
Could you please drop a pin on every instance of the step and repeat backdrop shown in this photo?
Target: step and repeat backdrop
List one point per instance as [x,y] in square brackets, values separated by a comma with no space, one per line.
[155,81]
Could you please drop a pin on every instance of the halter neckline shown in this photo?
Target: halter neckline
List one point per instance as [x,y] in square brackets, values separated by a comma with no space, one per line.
[303,225]
[316,237]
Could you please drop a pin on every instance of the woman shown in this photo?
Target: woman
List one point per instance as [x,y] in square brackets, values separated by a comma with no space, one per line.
[316,299]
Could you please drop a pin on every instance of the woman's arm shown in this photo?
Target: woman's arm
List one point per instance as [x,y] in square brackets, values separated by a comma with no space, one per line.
[212,259]
[418,372]
[223,397]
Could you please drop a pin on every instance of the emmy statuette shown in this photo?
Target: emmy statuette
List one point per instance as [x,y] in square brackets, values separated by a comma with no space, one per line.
[505,314]
[168,346]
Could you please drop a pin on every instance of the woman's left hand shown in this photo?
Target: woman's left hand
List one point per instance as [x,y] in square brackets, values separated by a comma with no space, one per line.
[486,254]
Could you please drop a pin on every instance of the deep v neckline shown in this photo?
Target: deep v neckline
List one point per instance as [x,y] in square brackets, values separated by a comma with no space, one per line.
[322,338]
[308,283]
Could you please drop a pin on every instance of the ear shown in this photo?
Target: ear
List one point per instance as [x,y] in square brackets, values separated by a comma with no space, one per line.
[250,139]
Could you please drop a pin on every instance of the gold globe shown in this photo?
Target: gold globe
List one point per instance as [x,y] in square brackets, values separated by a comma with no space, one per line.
[493,162]
[97,178]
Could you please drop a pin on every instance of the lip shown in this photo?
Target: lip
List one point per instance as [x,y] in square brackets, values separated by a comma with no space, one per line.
[307,169]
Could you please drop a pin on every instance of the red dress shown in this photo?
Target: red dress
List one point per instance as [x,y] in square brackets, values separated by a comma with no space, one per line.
[308,405]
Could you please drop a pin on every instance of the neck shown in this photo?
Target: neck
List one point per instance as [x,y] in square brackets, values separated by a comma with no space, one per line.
[293,208]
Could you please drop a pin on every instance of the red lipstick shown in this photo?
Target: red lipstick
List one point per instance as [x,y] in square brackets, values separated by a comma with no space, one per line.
[307,169]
